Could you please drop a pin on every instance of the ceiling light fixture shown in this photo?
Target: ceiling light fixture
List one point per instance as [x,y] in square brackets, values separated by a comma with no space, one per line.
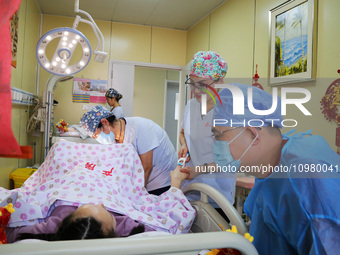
[69,38]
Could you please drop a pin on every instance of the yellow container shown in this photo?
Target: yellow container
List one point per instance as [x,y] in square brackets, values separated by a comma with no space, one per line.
[20,175]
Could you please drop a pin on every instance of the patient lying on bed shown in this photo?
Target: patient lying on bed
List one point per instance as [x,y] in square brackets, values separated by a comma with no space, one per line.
[94,187]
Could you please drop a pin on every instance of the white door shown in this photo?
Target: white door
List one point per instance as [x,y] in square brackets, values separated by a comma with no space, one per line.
[184,96]
[171,116]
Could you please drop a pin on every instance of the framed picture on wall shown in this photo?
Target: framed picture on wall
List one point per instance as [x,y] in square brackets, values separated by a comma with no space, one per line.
[14,22]
[292,47]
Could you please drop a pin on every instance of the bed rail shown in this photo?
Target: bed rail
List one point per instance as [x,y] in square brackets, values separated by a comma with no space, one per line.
[186,244]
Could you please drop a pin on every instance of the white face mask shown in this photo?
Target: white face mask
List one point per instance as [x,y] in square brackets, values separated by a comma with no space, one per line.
[106,138]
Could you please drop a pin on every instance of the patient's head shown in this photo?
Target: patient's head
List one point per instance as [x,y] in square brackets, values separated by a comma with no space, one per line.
[99,213]
[87,222]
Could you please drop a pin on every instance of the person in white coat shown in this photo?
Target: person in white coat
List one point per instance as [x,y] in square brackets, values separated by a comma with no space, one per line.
[208,68]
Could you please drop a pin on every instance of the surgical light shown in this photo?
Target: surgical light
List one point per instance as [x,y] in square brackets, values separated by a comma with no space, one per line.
[63,51]
[67,40]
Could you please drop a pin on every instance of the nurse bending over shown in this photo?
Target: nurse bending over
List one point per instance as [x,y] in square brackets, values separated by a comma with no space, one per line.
[151,142]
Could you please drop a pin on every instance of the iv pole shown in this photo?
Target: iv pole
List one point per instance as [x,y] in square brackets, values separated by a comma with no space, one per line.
[47,107]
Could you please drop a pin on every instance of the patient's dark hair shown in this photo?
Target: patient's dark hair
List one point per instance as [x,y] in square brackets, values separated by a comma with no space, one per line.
[79,229]
[110,119]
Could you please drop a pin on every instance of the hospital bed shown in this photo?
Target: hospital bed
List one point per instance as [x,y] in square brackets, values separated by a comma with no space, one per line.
[186,244]
[206,233]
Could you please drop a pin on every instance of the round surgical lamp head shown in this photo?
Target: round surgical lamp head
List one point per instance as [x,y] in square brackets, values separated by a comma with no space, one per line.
[69,38]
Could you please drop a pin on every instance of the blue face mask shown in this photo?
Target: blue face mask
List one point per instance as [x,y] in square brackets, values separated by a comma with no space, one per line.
[106,138]
[223,157]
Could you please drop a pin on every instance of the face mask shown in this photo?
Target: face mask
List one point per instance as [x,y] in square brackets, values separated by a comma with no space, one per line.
[106,138]
[223,157]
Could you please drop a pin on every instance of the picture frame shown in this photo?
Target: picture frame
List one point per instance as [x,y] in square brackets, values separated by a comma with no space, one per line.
[292,42]
[14,23]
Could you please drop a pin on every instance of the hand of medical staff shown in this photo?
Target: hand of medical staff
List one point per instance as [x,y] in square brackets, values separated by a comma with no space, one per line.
[177,177]
[183,152]
[184,147]
[190,171]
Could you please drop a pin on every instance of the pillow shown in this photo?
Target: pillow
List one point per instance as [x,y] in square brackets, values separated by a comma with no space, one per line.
[80,130]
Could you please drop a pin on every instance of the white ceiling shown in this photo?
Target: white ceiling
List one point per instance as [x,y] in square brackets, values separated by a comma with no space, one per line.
[175,14]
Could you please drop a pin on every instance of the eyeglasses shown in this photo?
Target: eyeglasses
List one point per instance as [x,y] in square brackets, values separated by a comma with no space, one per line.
[217,134]
[197,85]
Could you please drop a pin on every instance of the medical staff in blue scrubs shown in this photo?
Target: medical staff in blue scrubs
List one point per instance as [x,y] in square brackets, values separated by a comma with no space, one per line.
[293,205]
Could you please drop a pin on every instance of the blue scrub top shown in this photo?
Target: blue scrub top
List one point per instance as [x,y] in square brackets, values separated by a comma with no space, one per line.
[298,213]
[118,112]
[145,135]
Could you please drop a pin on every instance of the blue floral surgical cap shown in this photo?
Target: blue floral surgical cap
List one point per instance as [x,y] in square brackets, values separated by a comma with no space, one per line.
[92,118]
[113,93]
[261,101]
